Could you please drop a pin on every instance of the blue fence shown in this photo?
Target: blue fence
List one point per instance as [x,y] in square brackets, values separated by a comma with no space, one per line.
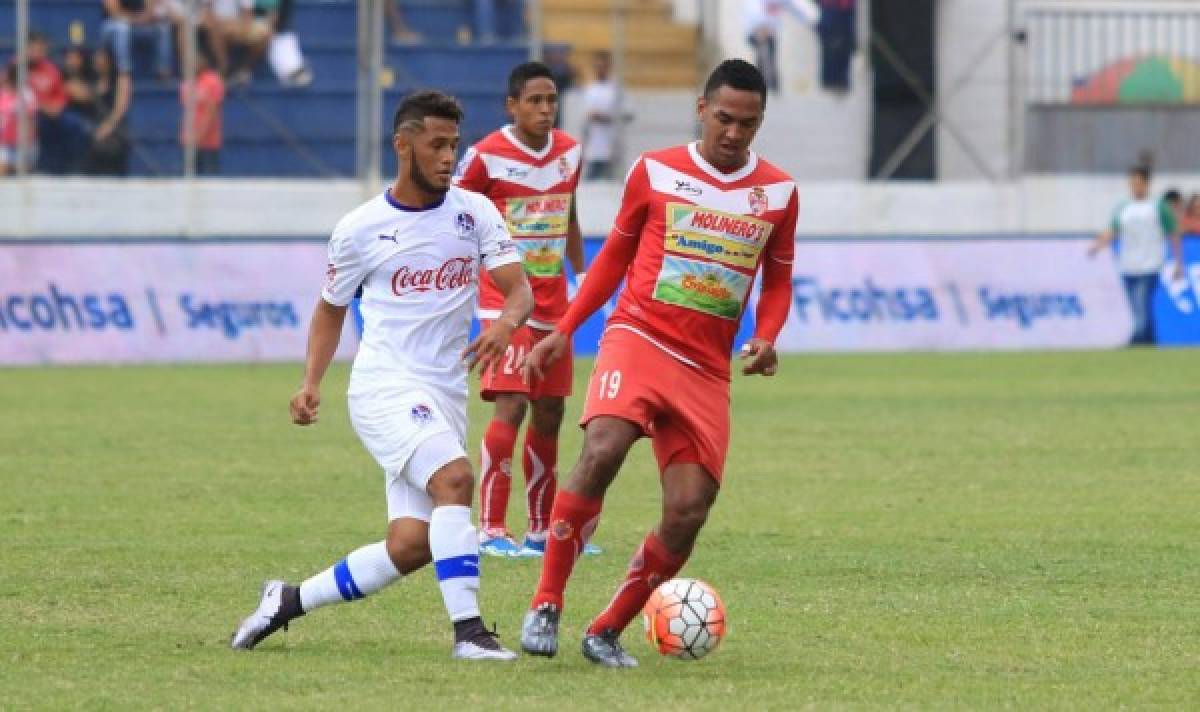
[265,124]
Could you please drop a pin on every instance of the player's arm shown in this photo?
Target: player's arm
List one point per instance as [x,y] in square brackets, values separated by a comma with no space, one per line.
[498,255]
[1170,226]
[1105,238]
[324,333]
[575,244]
[775,297]
[489,347]
[604,275]
[344,275]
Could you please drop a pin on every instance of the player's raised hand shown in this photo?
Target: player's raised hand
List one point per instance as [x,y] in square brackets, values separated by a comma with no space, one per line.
[759,357]
[545,352]
[304,405]
[488,348]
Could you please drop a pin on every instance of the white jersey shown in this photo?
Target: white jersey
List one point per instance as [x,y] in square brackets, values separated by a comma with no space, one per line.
[419,273]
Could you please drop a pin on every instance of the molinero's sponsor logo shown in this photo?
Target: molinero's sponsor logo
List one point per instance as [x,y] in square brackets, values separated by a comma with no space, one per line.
[542,258]
[684,218]
[702,287]
[57,310]
[538,216]
[233,318]
[732,240]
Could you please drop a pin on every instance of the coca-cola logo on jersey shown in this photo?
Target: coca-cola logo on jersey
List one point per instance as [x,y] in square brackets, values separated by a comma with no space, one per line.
[454,273]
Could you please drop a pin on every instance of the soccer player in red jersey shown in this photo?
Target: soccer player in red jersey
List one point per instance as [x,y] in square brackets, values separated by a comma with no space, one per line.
[696,224]
[530,171]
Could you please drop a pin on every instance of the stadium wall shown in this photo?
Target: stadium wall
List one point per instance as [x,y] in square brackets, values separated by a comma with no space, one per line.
[163,271]
[284,208]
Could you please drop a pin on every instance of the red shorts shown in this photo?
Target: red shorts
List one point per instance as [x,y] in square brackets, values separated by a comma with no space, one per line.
[683,409]
[506,376]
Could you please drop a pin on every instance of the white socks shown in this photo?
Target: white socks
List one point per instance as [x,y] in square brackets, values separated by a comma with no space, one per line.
[454,543]
[360,574]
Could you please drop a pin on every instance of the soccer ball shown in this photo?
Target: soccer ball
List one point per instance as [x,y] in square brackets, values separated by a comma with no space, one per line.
[684,619]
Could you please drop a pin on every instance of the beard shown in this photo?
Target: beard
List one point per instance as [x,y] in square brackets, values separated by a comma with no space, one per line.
[424,183]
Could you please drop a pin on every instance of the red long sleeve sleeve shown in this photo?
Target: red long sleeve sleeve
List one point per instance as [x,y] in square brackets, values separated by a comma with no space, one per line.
[775,300]
[603,277]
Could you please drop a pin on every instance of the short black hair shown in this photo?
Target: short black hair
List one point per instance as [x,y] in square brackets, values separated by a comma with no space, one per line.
[1141,170]
[1173,196]
[522,73]
[736,74]
[430,102]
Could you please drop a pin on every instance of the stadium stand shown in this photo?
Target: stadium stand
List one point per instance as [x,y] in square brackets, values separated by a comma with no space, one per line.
[286,132]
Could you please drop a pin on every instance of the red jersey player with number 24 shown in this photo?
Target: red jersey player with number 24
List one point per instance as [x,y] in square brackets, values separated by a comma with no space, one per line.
[530,171]
[696,224]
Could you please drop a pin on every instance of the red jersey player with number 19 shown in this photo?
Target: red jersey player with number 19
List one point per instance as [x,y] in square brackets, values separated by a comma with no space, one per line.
[696,224]
[530,171]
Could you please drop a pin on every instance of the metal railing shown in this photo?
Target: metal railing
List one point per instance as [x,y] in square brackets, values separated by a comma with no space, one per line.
[1070,44]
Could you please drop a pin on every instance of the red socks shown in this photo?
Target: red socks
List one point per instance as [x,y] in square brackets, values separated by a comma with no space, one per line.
[498,442]
[541,457]
[573,520]
[652,564]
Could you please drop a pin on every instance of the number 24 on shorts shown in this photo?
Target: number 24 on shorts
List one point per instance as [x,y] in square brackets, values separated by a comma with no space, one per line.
[610,384]
[513,357]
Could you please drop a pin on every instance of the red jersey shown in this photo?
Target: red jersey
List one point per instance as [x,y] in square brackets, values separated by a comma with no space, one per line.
[47,84]
[210,93]
[534,191]
[702,235]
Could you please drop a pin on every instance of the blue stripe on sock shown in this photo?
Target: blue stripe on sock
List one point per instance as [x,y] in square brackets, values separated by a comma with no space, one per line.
[345,582]
[458,567]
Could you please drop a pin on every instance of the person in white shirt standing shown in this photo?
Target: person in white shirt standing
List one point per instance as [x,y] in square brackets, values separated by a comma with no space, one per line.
[602,101]
[1143,225]
[415,251]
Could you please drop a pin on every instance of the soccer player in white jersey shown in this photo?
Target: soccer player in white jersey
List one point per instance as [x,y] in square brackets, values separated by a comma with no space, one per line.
[416,252]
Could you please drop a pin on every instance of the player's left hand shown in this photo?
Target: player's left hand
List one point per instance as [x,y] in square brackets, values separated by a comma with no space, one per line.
[488,348]
[760,357]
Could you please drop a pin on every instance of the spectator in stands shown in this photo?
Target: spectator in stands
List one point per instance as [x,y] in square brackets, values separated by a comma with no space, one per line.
[127,20]
[62,138]
[283,51]
[1191,216]
[762,22]
[10,147]
[402,34]
[209,95]
[1173,199]
[556,56]
[78,78]
[602,102]
[486,28]
[237,24]
[112,92]
[838,32]
[1143,226]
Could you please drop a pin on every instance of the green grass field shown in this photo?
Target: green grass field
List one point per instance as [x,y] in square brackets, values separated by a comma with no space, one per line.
[916,531]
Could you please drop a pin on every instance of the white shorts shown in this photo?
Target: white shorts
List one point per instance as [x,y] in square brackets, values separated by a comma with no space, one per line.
[412,434]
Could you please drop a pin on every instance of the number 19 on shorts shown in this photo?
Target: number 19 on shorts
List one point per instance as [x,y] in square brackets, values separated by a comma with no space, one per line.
[610,384]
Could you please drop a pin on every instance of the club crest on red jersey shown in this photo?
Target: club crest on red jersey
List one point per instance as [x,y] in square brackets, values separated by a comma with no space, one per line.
[564,167]
[758,201]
